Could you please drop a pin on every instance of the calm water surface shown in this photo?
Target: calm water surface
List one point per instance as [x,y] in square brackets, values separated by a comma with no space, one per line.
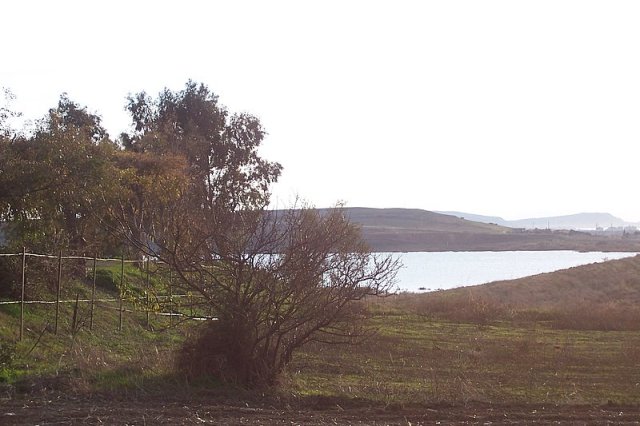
[425,271]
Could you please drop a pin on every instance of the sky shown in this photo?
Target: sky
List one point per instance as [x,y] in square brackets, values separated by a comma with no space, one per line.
[508,108]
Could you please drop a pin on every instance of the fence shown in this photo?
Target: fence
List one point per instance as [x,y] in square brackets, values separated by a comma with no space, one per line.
[170,298]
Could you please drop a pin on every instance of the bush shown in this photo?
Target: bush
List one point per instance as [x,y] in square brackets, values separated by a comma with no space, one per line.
[220,352]
[460,307]
[10,277]
[597,316]
[107,280]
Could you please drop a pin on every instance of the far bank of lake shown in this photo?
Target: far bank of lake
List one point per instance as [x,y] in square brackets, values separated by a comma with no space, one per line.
[429,271]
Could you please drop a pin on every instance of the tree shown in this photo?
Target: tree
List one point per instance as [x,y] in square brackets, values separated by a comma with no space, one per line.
[273,280]
[54,184]
[6,113]
[279,280]
[185,145]
[148,185]
[7,134]
[220,149]
[53,181]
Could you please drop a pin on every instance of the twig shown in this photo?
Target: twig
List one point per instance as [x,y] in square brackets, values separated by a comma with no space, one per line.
[38,341]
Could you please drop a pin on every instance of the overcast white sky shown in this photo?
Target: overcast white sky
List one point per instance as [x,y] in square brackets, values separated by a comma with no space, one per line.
[509,108]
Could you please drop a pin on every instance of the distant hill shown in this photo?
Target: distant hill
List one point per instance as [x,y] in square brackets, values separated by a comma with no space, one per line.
[417,219]
[579,221]
[421,230]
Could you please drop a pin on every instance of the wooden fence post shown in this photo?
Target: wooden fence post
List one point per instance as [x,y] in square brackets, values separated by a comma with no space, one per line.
[58,290]
[121,289]
[93,293]
[170,299]
[146,293]
[24,267]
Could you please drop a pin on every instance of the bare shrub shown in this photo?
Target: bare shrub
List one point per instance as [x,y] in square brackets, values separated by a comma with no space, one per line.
[274,282]
[460,306]
[612,316]
[219,352]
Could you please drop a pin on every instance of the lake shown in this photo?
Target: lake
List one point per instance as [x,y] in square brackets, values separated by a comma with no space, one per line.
[427,271]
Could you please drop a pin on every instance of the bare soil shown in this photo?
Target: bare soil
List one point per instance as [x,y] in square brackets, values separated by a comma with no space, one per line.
[61,410]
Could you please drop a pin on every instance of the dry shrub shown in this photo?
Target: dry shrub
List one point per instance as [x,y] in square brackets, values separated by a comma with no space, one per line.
[612,316]
[10,275]
[631,351]
[465,306]
[460,307]
[221,352]
[41,276]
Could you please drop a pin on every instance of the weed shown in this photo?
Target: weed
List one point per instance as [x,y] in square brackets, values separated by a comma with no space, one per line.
[7,353]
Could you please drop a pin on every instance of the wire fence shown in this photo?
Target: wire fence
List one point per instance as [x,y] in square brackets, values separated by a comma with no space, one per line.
[143,298]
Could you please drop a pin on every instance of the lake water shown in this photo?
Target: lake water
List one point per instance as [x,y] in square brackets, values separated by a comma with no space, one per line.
[426,271]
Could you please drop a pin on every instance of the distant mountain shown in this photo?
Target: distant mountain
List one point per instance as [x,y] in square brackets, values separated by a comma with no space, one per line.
[422,230]
[578,221]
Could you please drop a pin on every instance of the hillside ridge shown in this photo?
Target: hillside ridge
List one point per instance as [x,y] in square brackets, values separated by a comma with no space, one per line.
[577,221]
[397,229]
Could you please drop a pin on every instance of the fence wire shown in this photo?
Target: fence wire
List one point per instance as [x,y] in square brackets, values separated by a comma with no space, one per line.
[134,288]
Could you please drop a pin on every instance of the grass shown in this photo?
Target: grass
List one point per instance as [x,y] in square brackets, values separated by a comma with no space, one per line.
[80,359]
[415,360]
[458,346]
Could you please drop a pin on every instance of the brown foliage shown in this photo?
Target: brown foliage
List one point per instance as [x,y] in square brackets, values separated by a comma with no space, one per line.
[274,283]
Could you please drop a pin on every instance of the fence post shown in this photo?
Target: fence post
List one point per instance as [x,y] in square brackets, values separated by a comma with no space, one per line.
[93,293]
[24,261]
[121,289]
[170,299]
[146,293]
[58,290]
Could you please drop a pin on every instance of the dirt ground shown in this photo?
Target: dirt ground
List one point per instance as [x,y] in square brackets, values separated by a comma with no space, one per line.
[60,410]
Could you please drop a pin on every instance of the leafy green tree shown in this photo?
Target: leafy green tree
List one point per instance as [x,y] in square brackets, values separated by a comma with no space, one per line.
[54,181]
[7,134]
[220,149]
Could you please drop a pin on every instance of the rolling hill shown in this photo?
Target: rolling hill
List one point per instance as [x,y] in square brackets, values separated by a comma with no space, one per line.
[573,221]
[420,230]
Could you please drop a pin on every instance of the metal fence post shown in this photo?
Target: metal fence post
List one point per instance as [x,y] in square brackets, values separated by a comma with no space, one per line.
[24,261]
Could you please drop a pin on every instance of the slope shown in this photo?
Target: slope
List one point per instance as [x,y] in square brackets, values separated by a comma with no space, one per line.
[421,230]
[615,281]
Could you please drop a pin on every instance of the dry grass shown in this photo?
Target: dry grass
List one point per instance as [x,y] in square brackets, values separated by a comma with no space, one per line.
[616,281]
[600,296]
[415,360]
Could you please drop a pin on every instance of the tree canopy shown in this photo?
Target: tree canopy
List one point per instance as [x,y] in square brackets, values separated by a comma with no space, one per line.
[53,180]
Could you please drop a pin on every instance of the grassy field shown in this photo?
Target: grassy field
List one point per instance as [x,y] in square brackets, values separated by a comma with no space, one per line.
[414,360]
[490,347]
